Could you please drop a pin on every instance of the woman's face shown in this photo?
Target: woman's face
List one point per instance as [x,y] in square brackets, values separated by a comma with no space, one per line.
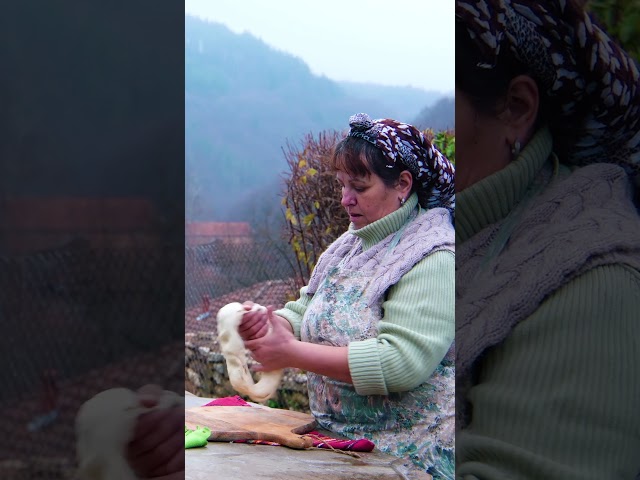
[367,199]
[481,146]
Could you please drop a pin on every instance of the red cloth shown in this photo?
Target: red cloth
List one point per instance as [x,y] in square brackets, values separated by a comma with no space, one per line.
[236,401]
[358,445]
[319,440]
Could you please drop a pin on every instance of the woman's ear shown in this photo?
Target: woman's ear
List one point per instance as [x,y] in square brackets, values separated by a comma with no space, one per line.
[405,182]
[521,112]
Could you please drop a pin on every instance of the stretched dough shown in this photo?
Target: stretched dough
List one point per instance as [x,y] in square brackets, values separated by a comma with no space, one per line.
[232,348]
[104,426]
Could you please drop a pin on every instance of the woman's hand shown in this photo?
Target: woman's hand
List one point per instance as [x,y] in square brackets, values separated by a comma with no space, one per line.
[157,448]
[254,324]
[272,350]
[279,348]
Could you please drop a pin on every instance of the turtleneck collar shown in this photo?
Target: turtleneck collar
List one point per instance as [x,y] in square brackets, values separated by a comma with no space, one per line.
[380,229]
[492,198]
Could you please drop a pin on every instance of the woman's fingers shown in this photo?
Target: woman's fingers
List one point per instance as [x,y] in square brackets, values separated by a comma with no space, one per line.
[157,439]
[258,330]
[174,476]
[253,325]
[153,428]
[172,453]
[149,395]
[257,368]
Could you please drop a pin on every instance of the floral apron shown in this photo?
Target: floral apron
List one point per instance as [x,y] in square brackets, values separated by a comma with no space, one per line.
[417,425]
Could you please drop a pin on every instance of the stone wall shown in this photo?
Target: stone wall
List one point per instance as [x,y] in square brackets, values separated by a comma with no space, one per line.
[206,374]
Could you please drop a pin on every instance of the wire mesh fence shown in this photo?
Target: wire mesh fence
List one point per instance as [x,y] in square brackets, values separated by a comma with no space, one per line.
[219,267]
[78,321]
[227,271]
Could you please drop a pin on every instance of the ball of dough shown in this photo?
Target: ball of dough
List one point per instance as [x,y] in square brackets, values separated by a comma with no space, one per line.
[232,347]
[104,426]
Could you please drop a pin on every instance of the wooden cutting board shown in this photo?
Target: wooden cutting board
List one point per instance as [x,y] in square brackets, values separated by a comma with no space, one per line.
[285,427]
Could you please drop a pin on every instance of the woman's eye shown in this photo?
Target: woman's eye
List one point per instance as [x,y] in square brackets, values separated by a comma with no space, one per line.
[352,187]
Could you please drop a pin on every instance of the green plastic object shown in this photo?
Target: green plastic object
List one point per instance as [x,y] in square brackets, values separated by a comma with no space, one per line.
[196,438]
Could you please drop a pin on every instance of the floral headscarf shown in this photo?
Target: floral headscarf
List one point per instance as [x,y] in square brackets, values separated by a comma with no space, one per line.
[583,71]
[404,142]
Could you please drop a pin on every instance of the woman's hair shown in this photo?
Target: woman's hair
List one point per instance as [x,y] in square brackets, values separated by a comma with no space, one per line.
[358,157]
[487,88]
[588,85]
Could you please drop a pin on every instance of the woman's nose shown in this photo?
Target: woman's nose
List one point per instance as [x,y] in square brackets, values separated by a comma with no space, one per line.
[347,199]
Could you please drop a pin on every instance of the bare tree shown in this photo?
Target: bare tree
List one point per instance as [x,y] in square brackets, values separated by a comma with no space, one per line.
[313,212]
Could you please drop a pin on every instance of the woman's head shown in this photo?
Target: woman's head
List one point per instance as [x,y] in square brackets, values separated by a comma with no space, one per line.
[497,110]
[381,162]
[587,87]
[370,190]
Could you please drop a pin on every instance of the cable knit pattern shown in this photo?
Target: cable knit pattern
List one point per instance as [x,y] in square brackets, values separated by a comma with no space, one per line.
[578,223]
[426,233]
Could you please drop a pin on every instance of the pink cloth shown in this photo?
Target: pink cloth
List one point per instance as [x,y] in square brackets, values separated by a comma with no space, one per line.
[236,401]
[358,445]
[319,440]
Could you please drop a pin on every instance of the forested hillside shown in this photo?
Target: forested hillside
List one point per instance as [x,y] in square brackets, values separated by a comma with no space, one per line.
[244,101]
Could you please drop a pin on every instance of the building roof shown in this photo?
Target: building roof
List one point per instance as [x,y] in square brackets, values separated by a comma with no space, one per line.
[33,224]
[217,229]
[271,292]
[78,213]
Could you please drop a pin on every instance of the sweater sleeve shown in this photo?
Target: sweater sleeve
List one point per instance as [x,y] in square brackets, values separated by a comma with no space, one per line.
[294,311]
[415,332]
[558,399]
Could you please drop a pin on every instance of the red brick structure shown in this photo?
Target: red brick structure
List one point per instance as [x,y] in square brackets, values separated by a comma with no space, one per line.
[40,223]
[202,233]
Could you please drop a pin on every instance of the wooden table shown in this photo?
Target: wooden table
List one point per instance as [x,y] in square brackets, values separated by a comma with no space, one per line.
[237,461]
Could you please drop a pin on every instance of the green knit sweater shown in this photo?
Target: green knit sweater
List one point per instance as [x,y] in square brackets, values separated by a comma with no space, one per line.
[418,325]
[559,398]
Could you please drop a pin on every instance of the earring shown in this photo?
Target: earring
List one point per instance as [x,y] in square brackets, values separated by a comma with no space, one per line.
[402,200]
[515,149]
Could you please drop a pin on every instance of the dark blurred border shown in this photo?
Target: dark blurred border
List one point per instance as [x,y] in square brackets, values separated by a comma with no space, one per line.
[91,215]
[536,402]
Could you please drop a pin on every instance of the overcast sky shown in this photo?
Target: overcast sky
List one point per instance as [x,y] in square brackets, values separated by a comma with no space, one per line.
[405,42]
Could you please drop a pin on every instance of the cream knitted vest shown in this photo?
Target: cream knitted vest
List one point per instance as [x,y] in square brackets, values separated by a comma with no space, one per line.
[428,232]
[583,221]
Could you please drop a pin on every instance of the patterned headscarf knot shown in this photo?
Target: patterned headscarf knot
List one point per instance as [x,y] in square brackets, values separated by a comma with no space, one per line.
[401,141]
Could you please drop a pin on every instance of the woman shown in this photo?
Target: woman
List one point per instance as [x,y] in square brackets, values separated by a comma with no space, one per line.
[548,245]
[374,324]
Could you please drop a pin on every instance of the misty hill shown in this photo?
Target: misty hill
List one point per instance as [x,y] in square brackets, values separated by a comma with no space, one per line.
[439,116]
[405,103]
[244,100]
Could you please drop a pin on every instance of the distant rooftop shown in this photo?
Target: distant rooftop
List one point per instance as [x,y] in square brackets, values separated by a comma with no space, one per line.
[199,233]
[38,223]
[271,292]
[78,213]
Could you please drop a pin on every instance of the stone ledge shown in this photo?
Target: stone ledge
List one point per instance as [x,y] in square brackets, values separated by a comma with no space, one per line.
[206,374]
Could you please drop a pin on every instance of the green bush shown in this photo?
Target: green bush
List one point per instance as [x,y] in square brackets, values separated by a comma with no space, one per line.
[621,20]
